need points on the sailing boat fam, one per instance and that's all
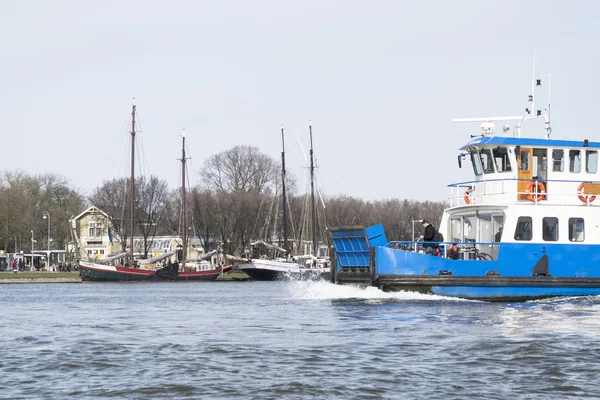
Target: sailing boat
(100, 269)
(209, 267)
(281, 268)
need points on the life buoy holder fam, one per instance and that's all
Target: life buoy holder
(536, 191)
(467, 194)
(584, 198)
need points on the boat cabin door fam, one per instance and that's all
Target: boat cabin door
(525, 171)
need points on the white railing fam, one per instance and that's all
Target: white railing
(483, 189)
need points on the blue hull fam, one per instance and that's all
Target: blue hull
(511, 293)
(519, 271)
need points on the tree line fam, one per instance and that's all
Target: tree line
(238, 201)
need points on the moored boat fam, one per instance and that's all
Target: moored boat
(99, 269)
(523, 228)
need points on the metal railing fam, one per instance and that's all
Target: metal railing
(483, 189)
(468, 250)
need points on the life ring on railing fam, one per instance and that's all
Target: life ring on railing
(467, 194)
(536, 191)
(585, 198)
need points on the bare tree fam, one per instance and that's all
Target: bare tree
(151, 198)
(242, 168)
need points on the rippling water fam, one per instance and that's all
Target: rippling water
(293, 340)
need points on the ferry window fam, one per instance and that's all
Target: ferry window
(501, 158)
(470, 229)
(574, 161)
(498, 225)
(550, 229)
(456, 231)
(558, 162)
(524, 161)
(476, 161)
(576, 229)
(487, 161)
(523, 230)
(486, 234)
(591, 161)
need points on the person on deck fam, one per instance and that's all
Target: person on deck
(428, 236)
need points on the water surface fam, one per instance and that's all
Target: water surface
(293, 340)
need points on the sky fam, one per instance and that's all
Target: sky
(380, 82)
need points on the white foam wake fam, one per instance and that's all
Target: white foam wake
(322, 290)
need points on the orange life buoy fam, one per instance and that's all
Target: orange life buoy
(537, 194)
(467, 194)
(586, 199)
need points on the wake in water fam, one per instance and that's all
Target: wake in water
(322, 290)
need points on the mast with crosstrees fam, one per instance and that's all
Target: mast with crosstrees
(312, 195)
(285, 233)
(132, 184)
(183, 214)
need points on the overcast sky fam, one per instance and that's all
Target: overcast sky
(380, 80)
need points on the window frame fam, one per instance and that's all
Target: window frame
(587, 161)
(500, 154)
(573, 153)
(546, 229)
(488, 165)
(572, 223)
(525, 219)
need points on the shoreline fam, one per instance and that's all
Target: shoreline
(73, 277)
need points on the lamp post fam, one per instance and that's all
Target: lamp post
(31, 258)
(47, 216)
(413, 232)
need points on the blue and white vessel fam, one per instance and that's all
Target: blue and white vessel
(526, 226)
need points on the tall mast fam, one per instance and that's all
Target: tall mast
(285, 233)
(312, 195)
(132, 184)
(183, 216)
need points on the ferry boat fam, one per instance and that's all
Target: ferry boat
(526, 225)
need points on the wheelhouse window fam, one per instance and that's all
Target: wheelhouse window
(476, 161)
(576, 230)
(487, 162)
(550, 229)
(575, 161)
(501, 159)
(523, 230)
(558, 161)
(591, 161)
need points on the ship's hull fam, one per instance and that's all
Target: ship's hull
(271, 270)
(108, 273)
(208, 275)
(520, 271)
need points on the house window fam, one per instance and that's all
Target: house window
(576, 230)
(501, 158)
(94, 229)
(591, 161)
(558, 161)
(487, 161)
(550, 229)
(575, 161)
(524, 229)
